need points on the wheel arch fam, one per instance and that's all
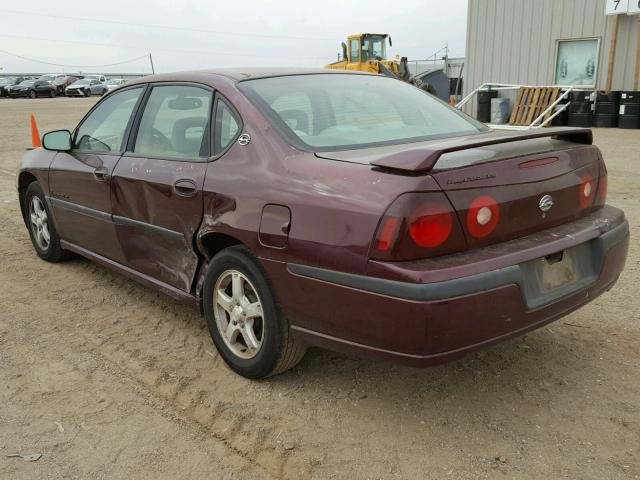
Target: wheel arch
(210, 243)
(24, 180)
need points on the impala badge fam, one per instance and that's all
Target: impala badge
(545, 203)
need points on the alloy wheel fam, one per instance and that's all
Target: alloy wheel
(39, 223)
(238, 314)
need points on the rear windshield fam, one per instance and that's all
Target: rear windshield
(341, 111)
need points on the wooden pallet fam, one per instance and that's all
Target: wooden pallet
(531, 102)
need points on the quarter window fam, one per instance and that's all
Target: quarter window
(104, 129)
(175, 122)
(227, 127)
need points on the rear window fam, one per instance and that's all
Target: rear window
(340, 111)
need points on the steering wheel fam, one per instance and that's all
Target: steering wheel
(159, 141)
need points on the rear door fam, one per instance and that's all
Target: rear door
(157, 185)
(80, 180)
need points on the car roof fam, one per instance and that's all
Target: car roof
(240, 74)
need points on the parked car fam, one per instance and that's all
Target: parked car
(100, 78)
(85, 87)
(6, 82)
(114, 83)
(32, 89)
(50, 77)
(61, 83)
(337, 209)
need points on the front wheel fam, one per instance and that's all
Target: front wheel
(32, 94)
(244, 320)
(87, 93)
(41, 228)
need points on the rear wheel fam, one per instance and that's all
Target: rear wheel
(32, 94)
(41, 228)
(244, 320)
(87, 93)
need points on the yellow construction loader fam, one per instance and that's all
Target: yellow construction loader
(367, 52)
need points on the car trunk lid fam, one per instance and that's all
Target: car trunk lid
(531, 192)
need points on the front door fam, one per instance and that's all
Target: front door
(157, 185)
(80, 180)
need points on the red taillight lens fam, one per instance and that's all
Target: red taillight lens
(483, 216)
(431, 225)
(418, 225)
(587, 190)
(387, 234)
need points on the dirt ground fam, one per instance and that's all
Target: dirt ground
(108, 379)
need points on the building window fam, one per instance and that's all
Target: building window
(577, 62)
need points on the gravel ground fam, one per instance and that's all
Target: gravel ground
(108, 379)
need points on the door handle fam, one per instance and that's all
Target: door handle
(101, 174)
(185, 187)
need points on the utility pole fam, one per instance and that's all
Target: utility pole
(153, 71)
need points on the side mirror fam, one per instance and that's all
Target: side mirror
(344, 51)
(58, 141)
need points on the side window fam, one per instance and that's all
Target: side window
(175, 122)
(103, 130)
(354, 55)
(227, 127)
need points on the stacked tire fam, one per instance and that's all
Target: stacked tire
(484, 105)
(580, 109)
(562, 119)
(606, 110)
(629, 110)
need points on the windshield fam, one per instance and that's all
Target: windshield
(114, 82)
(27, 83)
(374, 48)
(47, 78)
(337, 111)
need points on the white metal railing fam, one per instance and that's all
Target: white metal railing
(536, 122)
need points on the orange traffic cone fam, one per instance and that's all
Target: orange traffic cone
(35, 134)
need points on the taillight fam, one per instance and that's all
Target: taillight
(418, 225)
(587, 190)
(602, 189)
(482, 216)
(601, 196)
(431, 225)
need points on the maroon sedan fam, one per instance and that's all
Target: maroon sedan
(337, 209)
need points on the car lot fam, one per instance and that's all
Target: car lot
(108, 379)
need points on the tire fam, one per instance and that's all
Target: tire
(87, 93)
(580, 120)
(50, 251)
(52, 94)
(605, 121)
(580, 107)
(32, 94)
(278, 350)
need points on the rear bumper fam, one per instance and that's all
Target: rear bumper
(423, 324)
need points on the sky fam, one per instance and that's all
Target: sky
(200, 34)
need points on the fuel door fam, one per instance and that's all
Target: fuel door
(274, 226)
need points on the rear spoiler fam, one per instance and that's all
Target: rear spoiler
(425, 158)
